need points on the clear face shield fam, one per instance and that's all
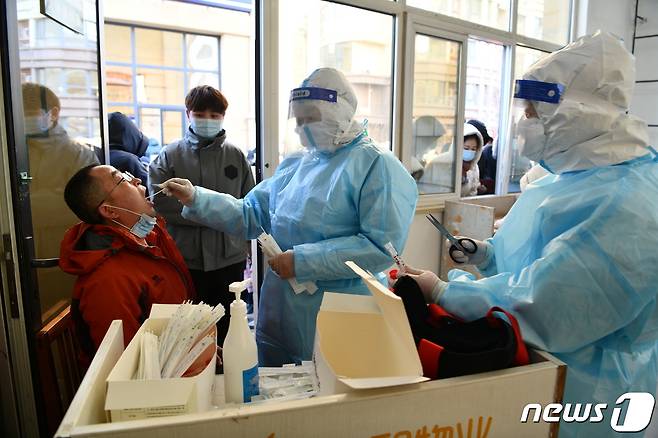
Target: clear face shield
(309, 118)
(532, 98)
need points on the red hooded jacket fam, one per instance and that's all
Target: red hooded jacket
(120, 279)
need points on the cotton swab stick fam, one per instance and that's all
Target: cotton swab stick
(159, 191)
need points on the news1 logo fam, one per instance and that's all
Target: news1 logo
(638, 412)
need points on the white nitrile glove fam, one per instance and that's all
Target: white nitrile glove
(430, 284)
(478, 251)
(180, 188)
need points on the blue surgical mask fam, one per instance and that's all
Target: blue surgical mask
(37, 125)
(142, 227)
(206, 128)
(468, 155)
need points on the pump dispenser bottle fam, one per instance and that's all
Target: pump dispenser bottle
(240, 353)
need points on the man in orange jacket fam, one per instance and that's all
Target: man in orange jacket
(123, 256)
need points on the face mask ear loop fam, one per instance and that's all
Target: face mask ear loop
(121, 225)
(129, 211)
(124, 209)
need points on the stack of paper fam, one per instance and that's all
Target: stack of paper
(289, 382)
(149, 364)
(189, 334)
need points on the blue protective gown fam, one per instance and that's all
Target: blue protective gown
(576, 262)
(328, 208)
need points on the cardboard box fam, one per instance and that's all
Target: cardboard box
(364, 342)
(486, 405)
(489, 405)
(129, 399)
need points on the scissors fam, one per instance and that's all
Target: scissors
(456, 243)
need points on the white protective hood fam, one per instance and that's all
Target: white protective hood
(589, 128)
(472, 130)
(337, 117)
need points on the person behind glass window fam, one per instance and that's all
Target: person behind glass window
(127, 146)
(473, 143)
(488, 161)
(205, 156)
(53, 159)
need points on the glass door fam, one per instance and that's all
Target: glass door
(57, 81)
(55, 127)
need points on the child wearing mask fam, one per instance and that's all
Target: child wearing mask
(471, 155)
(203, 156)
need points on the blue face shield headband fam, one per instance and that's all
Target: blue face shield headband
(316, 93)
(312, 133)
(539, 91)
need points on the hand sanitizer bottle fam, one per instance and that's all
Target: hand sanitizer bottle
(240, 354)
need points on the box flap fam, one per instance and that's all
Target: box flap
(394, 314)
(366, 341)
(381, 382)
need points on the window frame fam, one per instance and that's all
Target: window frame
(405, 19)
(418, 25)
(134, 66)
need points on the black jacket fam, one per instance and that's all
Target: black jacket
(127, 145)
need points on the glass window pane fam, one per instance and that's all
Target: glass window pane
(67, 82)
(117, 43)
(238, 85)
(128, 111)
(93, 83)
(202, 78)
(119, 82)
(519, 165)
(49, 33)
(494, 13)
(202, 52)
(172, 125)
(484, 77)
(157, 47)
(436, 71)
(149, 123)
(159, 86)
(51, 78)
(76, 82)
(358, 42)
(76, 124)
(545, 20)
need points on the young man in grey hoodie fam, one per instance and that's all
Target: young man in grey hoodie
(203, 156)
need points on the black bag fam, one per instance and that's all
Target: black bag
(449, 346)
